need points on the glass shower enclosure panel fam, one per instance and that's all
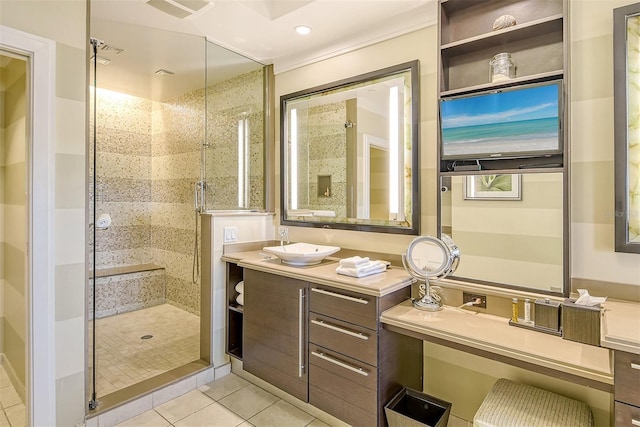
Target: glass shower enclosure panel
(147, 127)
(234, 154)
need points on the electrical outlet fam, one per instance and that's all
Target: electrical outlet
(230, 234)
(468, 297)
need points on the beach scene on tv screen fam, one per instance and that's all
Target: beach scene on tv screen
(506, 123)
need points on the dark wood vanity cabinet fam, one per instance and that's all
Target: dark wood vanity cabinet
(626, 388)
(326, 346)
(275, 331)
(356, 366)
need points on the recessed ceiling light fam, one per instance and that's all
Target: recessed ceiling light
(303, 29)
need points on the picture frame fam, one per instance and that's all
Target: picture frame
(493, 187)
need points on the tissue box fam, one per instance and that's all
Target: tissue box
(580, 323)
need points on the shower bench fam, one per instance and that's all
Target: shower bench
(128, 288)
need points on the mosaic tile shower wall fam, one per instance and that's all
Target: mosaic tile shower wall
(322, 153)
(148, 161)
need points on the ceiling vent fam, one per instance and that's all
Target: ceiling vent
(163, 72)
(180, 8)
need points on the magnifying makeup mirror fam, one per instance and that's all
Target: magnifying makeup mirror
(430, 258)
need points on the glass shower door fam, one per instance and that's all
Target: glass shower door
(147, 128)
(234, 154)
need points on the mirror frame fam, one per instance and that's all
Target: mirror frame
(621, 147)
(414, 228)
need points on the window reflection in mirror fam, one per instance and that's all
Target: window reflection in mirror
(349, 153)
(509, 229)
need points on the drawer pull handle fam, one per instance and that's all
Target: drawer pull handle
(339, 329)
(635, 366)
(635, 422)
(334, 294)
(300, 330)
(339, 363)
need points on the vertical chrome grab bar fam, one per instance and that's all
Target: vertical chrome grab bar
(300, 326)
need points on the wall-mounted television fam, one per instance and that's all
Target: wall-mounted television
(514, 122)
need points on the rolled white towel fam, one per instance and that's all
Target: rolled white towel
(354, 262)
(240, 287)
(240, 299)
(371, 268)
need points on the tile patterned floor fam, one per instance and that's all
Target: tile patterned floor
(123, 358)
(12, 412)
(228, 402)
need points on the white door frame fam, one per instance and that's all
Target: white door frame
(40, 292)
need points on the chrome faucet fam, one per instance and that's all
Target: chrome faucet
(284, 234)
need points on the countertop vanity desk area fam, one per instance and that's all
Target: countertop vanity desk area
(368, 325)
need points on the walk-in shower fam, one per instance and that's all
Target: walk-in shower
(176, 124)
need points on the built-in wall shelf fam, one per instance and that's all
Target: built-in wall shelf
(536, 43)
(236, 307)
(551, 75)
(504, 36)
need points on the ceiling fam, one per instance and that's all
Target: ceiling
(261, 30)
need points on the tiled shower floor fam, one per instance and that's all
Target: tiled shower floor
(124, 358)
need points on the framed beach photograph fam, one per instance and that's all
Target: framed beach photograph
(493, 187)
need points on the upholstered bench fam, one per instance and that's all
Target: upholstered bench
(511, 404)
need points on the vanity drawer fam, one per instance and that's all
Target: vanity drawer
(343, 387)
(346, 338)
(349, 306)
(627, 377)
(627, 415)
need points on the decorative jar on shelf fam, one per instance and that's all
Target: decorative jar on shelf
(501, 67)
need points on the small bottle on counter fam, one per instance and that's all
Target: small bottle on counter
(527, 310)
(514, 310)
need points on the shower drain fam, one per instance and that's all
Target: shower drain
(146, 337)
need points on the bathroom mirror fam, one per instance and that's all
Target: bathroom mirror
(626, 38)
(349, 153)
(511, 229)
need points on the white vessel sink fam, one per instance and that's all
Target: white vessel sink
(301, 253)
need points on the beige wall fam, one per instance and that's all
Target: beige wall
(14, 235)
(65, 23)
(592, 196)
(450, 374)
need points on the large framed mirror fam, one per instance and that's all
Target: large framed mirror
(626, 39)
(510, 229)
(349, 153)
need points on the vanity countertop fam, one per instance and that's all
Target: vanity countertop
(492, 334)
(377, 285)
(620, 328)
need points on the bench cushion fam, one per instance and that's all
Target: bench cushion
(511, 404)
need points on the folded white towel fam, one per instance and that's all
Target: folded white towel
(371, 268)
(323, 213)
(354, 262)
(240, 287)
(240, 299)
